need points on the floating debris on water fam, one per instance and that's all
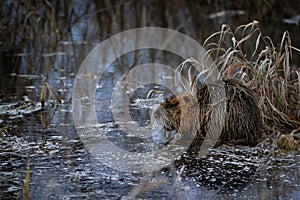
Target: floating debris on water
(18, 109)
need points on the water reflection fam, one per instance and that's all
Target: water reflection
(48, 40)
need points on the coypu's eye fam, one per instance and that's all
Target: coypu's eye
(186, 99)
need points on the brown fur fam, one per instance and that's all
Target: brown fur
(241, 122)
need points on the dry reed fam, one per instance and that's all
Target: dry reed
(268, 70)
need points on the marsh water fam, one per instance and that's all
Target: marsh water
(47, 41)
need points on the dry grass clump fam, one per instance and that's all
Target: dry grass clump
(272, 72)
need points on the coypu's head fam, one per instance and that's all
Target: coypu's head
(169, 113)
(177, 112)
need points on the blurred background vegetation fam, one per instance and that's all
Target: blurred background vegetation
(38, 36)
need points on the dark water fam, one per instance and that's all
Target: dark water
(47, 41)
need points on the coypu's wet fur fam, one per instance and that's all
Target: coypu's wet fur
(242, 119)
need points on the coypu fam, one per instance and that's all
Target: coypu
(241, 120)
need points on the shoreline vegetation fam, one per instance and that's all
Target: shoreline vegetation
(269, 71)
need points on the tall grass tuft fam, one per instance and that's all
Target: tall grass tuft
(272, 72)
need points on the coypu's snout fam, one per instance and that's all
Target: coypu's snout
(160, 135)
